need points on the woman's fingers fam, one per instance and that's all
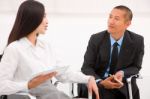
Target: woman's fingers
(40, 79)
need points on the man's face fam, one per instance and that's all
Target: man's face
(117, 22)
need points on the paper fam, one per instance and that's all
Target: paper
(118, 80)
(59, 69)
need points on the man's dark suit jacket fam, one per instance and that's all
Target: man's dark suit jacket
(97, 56)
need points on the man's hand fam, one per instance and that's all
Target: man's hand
(40, 79)
(93, 87)
(109, 83)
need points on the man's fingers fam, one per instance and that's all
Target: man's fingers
(110, 78)
(116, 85)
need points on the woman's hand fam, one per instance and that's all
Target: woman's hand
(40, 79)
(92, 86)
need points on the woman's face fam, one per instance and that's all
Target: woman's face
(43, 26)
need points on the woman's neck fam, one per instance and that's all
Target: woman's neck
(32, 38)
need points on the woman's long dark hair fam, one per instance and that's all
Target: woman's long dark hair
(30, 15)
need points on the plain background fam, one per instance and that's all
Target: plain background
(72, 22)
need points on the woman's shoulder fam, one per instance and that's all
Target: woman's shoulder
(13, 45)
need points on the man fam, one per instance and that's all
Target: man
(116, 51)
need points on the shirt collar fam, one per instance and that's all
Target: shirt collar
(119, 41)
(27, 43)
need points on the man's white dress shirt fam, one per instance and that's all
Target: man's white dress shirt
(21, 60)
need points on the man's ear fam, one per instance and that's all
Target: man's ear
(128, 23)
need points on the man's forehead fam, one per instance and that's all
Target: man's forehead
(117, 13)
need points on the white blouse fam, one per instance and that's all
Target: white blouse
(21, 60)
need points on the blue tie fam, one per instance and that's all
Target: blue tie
(114, 58)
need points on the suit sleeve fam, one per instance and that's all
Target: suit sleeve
(137, 62)
(90, 58)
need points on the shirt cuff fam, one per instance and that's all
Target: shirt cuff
(98, 80)
(25, 86)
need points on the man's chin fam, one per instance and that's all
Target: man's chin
(109, 31)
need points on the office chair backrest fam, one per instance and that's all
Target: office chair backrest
(1, 57)
(3, 96)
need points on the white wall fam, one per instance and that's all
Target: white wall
(71, 23)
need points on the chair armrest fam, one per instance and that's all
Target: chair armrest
(72, 85)
(130, 85)
(134, 76)
(71, 89)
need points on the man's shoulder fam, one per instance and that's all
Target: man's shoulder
(100, 35)
(134, 36)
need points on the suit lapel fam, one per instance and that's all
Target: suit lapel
(125, 51)
(105, 49)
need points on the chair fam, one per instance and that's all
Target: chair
(72, 91)
(3, 96)
(138, 76)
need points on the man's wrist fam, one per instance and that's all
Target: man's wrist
(98, 81)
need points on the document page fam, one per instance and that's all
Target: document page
(59, 69)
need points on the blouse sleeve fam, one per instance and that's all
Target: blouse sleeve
(69, 75)
(8, 66)
(73, 76)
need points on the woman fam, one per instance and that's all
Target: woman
(26, 55)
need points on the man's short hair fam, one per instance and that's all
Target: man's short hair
(128, 11)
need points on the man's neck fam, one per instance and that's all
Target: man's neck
(117, 36)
